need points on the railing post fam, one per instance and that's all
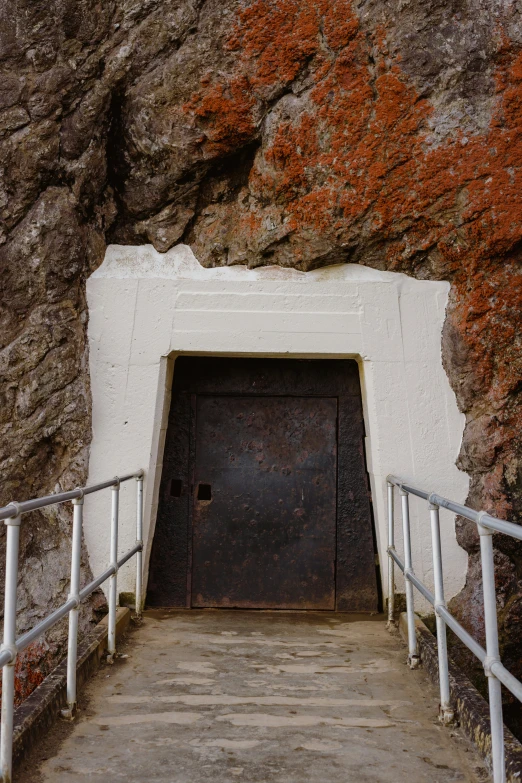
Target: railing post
(8, 672)
(492, 653)
(139, 540)
(413, 655)
(391, 562)
(74, 592)
(447, 715)
(113, 581)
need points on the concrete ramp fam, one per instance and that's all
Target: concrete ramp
(291, 697)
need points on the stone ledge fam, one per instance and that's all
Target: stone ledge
(472, 710)
(40, 710)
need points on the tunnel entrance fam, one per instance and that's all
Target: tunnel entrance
(264, 500)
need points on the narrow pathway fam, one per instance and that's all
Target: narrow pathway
(260, 696)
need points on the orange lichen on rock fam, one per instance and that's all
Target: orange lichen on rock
(276, 38)
(232, 104)
(361, 139)
(32, 666)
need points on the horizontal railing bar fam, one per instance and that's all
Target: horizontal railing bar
(393, 553)
(91, 587)
(421, 588)
(501, 526)
(129, 554)
(421, 493)
(457, 508)
(438, 500)
(61, 497)
(463, 635)
(448, 618)
(507, 679)
(31, 505)
(486, 520)
(112, 482)
(55, 617)
(413, 579)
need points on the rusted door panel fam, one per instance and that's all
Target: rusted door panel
(267, 536)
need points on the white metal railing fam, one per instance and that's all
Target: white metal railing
(12, 514)
(490, 657)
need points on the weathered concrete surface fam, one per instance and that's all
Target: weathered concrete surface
(38, 712)
(257, 697)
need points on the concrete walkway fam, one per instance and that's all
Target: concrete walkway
(260, 696)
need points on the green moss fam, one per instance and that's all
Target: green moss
(128, 599)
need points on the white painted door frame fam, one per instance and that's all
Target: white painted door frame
(146, 308)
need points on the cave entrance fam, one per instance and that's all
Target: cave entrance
(264, 497)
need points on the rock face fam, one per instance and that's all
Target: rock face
(381, 132)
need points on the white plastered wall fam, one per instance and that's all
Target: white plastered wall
(145, 308)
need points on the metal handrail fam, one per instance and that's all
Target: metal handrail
(12, 514)
(489, 657)
(14, 509)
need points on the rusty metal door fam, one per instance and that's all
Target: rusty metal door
(274, 391)
(264, 502)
